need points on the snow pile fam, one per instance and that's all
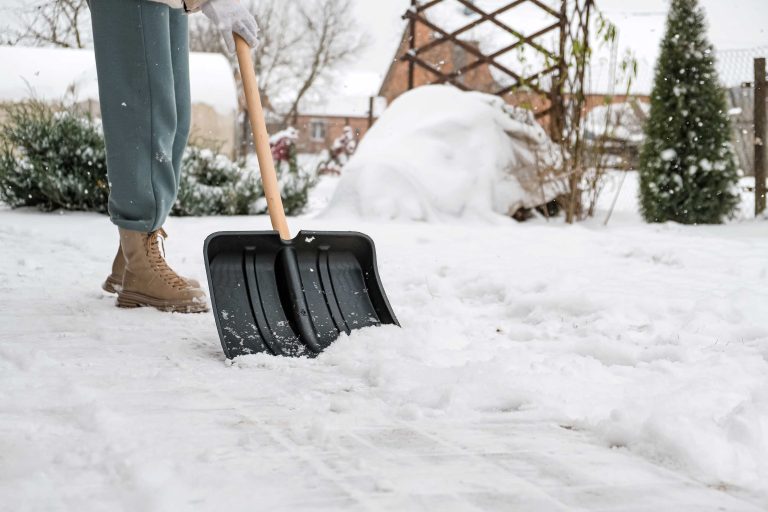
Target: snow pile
(440, 153)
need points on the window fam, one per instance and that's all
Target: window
(317, 130)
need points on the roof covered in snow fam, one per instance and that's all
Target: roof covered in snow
(342, 106)
(52, 74)
(349, 96)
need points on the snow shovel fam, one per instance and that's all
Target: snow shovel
(282, 296)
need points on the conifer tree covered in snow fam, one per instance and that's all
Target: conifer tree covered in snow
(687, 169)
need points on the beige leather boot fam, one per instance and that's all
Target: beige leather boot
(149, 281)
(114, 281)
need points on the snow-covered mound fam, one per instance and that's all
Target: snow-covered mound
(440, 153)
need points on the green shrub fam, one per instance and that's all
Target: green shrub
(212, 184)
(52, 158)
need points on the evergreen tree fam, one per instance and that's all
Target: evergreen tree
(687, 169)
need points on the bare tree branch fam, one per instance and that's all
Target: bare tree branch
(302, 42)
(60, 23)
(330, 42)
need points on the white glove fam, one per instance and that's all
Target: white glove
(230, 16)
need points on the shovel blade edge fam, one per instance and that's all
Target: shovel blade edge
(292, 297)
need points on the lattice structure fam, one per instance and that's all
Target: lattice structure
(557, 77)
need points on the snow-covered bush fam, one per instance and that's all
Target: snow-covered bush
(334, 159)
(211, 184)
(52, 158)
(440, 153)
(295, 182)
(687, 167)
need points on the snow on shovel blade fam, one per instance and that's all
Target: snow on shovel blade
(292, 298)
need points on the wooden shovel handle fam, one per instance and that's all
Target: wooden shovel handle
(261, 139)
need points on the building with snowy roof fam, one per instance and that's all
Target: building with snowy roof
(321, 121)
(53, 74)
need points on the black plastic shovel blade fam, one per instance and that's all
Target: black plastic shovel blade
(292, 298)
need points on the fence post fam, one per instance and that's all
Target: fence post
(411, 48)
(371, 106)
(760, 133)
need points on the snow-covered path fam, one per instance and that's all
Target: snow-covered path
(539, 367)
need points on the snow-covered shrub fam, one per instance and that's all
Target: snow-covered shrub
(51, 158)
(338, 156)
(295, 182)
(687, 167)
(211, 184)
(440, 153)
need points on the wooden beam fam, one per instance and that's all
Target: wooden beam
(557, 91)
(760, 134)
(542, 113)
(546, 8)
(528, 81)
(411, 46)
(371, 106)
(466, 28)
(428, 5)
(442, 77)
(469, 5)
(471, 49)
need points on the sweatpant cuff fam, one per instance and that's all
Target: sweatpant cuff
(135, 225)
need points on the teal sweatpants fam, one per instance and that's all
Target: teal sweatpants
(142, 60)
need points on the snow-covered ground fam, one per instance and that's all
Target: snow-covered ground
(539, 367)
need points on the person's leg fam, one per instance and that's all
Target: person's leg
(135, 54)
(132, 40)
(180, 62)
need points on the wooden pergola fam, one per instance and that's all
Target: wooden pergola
(570, 20)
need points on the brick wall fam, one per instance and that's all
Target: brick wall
(449, 57)
(446, 57)
(317, 133)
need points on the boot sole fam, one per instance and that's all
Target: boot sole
(112, 285)
(130, 300)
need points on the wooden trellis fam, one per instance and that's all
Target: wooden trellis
(571, 22)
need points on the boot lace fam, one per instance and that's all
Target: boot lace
(155, 246)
